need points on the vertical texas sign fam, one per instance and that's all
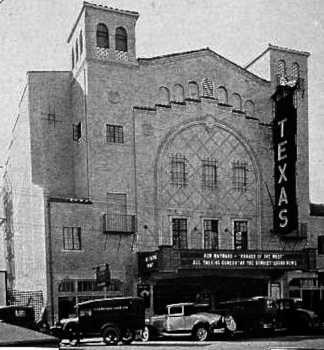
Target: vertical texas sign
(284, 140)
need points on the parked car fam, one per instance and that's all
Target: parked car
(115, 319)
(252, 315)
(187, 319)
(23, 316)
(292, 317)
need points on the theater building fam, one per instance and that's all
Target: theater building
(186, 173)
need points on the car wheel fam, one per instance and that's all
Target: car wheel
(72, 333)
(128, 336)
(230, 325)
(201, 333)
(306, 324)
(110, 336)
(146, 334)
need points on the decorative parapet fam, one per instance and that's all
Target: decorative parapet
(111, 54)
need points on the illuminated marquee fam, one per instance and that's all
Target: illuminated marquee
(236, 260)
(172, 260)
(284, 138)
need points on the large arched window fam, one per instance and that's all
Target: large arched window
(164, 95)
(178, 93)
(222, 95)
(281, 68)
(249, 108)
(102, 36)
(237, 102)
(121, 39)
(193, 90)
(207, 88)
(295, 71)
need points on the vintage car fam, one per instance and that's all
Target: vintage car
(23, 316)
(291, 316)
(115, 319)
(185, 319)
(253, 315)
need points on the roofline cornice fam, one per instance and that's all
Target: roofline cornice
(207, 51)
(100, 7)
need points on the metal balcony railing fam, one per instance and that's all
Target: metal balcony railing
(119, 223)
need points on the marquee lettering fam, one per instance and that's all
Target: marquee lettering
(282, 169)
(283, 197)
(282, 125)
(282, 150)
(284, 131)
(283, 218)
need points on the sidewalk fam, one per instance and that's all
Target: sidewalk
(19, 336)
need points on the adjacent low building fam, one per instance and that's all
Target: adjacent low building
(186, 173)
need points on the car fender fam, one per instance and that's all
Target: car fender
(109, 324)
(309, 313)
(69, 324)
(201, 323)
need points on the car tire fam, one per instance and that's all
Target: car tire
(72, 333)
(146, 334)
(128, 336)
(201, 333)
(306, 324)
(111, 336)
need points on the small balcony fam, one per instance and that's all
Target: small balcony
(119, 223)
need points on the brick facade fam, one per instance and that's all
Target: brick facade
(197, 105)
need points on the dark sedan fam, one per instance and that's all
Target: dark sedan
(292, 317)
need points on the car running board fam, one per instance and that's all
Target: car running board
(184, 334)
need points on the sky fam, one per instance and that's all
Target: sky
(33, 36)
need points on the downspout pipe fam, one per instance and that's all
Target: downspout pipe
(49, 262)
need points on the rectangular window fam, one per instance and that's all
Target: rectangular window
(240, 235)
(77, 131)
(320, 245)
(179, 233)
(209, 174)
(72, 238)
(114, 134)
(178, 170)
(239, 176)
(210, 234)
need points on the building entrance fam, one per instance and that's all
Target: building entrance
(205, 290)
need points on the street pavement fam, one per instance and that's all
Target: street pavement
(274, 343)
(11, 335)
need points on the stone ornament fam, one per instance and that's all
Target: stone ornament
(113, 97)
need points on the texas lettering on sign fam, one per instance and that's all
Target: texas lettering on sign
(284, 134)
